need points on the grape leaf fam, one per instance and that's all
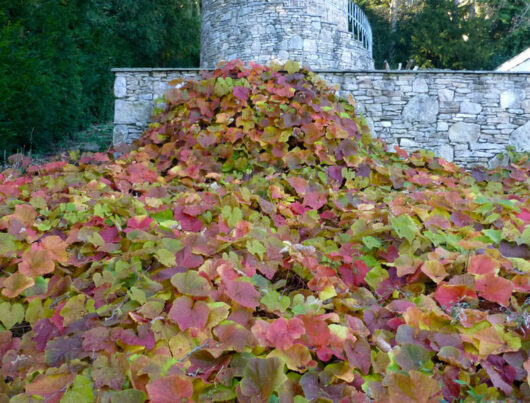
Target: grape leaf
(261, 377)
(405, 227)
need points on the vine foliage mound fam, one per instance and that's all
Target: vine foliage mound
(257, 245)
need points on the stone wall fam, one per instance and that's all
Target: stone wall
(309, 31)
(466, 117)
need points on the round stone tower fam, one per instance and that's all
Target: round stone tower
(324, 34)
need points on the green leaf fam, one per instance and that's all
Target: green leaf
(231, 215)
(494, 235)
(10, 315)
(164, 215)
(371, 243)
(223, 86)
(375, 276)
(274, 301)
(80, 391)
(274, 399)
(7, 244)
(166, 257)
(129, 396)
(256, 248)
(172, 245)
(292, 67)
(191, 283)
(405, 227)
(525, 237)
(138, 295)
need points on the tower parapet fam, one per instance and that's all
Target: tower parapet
(324, 34)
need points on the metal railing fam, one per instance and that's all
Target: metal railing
(359, 26)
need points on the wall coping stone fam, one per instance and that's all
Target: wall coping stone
(328, 71)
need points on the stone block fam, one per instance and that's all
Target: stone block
(512, 98)
(446, 95)
(120, 134)
(131, 112)
(462, 132)
(421, 108)
(120, 87)
(310, 45)
(442, 126)
(526, 106)
(446, 151)
(296, 43)
(520, 138)
(408, 143)
(470, 108)
(420, 85)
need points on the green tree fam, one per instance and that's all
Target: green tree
(510, 27)
(442, 35)
(56, 57)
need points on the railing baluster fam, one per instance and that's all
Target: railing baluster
(359, 26)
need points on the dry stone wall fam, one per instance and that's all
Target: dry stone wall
(466, 117)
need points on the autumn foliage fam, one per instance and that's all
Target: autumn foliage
(257, 245)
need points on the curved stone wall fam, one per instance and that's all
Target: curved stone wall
(313, 32)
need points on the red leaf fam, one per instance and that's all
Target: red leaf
(189, 315)
(497, 378)
(354, 274)
(232, 335)
(448, 295)
(359, 355)
(110, 235)
(187, 222)
(524, 215)
(188, 260)
(299, 184)
(141, 222)
(317, 331)
(495, 289)
(144, 338)
(243, 293)
(97, 339)
(315, 200)
(170, 389)
(482, 264)
(283, 333)
(44, 330)
(241, 93)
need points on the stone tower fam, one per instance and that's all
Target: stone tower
(324, 34)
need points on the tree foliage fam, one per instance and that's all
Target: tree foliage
(257, 245)
(56, 57)
(448, 34)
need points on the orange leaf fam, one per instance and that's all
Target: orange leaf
(434, 270)
(57, 248)
(50, 387)
(26, 214)
(15, 284)
(418, 388)
(36, 262)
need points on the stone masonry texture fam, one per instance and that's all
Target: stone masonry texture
(313, 32)
(465, 117)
